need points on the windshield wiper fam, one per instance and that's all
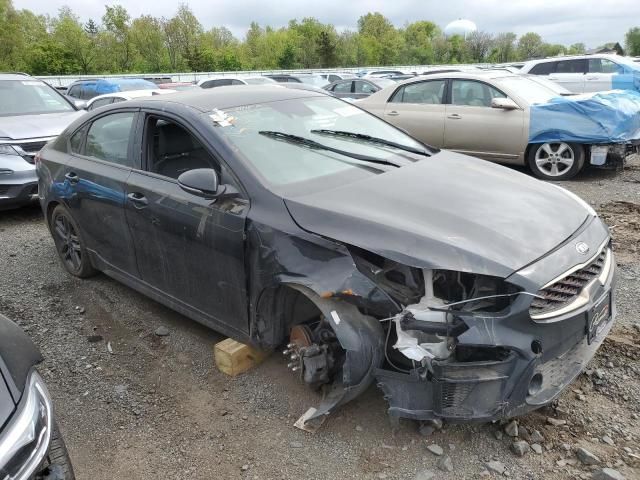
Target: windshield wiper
(312, 144)
(370, 139)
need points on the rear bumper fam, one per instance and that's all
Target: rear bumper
(18, 182)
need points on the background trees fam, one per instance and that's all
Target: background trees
(117, 43)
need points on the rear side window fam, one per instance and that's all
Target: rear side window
(342, 87)
(602, 65)
(571, 66)
(545, 68)
(217, 83)
(101, 103)
(364, 87)
(473, 94)
(430, 93)
(108, 138)
(74, 91)
(75, 142)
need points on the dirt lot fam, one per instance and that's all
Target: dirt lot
(136, 405)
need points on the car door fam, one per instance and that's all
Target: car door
(343, 89)
(188, 248)
(362, 89)
(473, 127)
(418, 108)
(570, 74)
(600, 74)
(95, 179)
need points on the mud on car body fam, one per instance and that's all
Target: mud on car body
(31, 447)
(292, 219)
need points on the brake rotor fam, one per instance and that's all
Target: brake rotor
(300, 336)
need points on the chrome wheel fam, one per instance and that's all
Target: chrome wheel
(555, 159)
(68, 242)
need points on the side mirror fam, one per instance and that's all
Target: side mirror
(202, 182)
(80, 104)
(504, 103)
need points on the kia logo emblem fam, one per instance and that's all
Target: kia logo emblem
(582, 248)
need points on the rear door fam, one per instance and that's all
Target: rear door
(419, 109)
(188, 248)
(362, 89)
(570, 74)
(95, 180)
(600, 74)
(473, 127)
(343, 89)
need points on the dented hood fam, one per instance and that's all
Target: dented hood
(447, 211)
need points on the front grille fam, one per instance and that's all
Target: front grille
(565, 291)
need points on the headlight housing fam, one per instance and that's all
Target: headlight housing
(7, 150)
(25, 440)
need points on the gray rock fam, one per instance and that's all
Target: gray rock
(437, 423)
(607, 474)
(426, 430)
(608, 440)
(424, 475)
(495, 466)
(610, 365)
(600, 374)
(162, 331)
(537, 448)
(435, 449)
(498, 434)
(586, 457)
(556, 422)
(511, 428)
(445, 464)
(536, 437)
(359, 428)
(523, 433)
(520, 448)
(295, 444)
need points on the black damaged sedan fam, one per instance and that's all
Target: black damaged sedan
(31, 447)
(466, 291)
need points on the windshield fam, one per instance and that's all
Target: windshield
(30, 97)
(316, 80)
(529, 90)
(259, 80)
(283, 164)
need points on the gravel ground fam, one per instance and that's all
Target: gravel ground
(132, 404)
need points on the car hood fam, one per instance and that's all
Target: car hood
(448, 211)
(21, 127)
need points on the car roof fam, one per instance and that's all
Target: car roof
(131, 94)
(119, 81)
(207, 100)
(14, 76)
(472, 74)
(573, 57)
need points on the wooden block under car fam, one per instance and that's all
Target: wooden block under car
(234, 358)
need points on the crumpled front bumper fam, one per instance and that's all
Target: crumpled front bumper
(538, 359)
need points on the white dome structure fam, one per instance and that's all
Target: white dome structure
(460, 27)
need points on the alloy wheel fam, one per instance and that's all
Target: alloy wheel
(68, 242)
(554, 159)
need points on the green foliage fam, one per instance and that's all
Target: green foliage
(632, 42)
(61, 45)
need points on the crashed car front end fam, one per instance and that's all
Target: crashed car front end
(511, 346)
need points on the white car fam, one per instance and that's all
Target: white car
(109, 98)
(225, 81)
(588, 73)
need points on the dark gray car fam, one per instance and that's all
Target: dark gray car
(465, 290)
(357, 87)
(31, 447)
(31, 114)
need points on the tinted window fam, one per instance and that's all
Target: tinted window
(431, 93)
(342, 87)
(364, 87)
(108, 138)
(237, 82)
(473, 94)
(172, 150)
(571, 66)
(602, 65)
(28, 97)
(544, 68)
(75, 142)
(216, 83)
(74, 91)
(101, 102)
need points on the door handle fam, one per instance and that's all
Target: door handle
(454, 116)
(139, 200)
(393, 113)
(72, 177)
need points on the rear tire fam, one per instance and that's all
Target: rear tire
(69, 243)
(556, 161)
(57, 465)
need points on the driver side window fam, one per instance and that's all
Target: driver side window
(172, 150)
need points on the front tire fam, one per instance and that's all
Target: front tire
(69, 244)
(556, 160)
(57, 465)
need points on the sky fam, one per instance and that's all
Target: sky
(557, 21)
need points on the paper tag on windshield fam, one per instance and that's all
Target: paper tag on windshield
(347, 111)
(220, 118)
